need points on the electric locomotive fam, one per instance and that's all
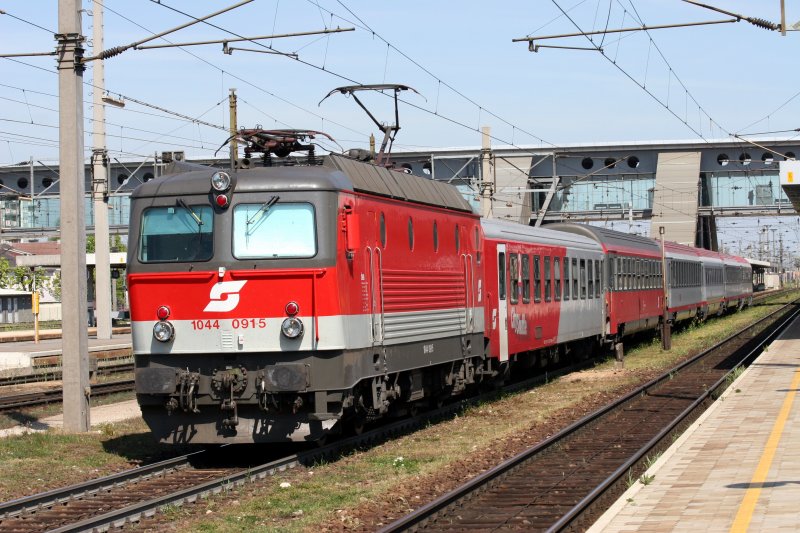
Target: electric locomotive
(282, 303)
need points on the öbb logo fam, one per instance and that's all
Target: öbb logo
(219, 303)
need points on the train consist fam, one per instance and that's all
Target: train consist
(284, 303)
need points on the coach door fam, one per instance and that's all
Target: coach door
(502, 305)
(374, 258)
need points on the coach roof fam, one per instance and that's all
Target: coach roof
(610, 239)
(503, 229)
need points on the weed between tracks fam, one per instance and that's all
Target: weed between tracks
(372, 487)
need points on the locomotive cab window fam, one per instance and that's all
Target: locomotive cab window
(176, 233)
(274, 231)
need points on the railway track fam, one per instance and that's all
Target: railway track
(567, 481)
(55, 375)
(43, 397)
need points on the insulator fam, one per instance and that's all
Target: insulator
(762, 23)
(111, 52)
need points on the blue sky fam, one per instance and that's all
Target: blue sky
(706, 82)
(737, 73)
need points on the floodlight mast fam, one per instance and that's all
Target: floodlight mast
(389, 130)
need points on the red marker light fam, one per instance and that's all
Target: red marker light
(222, 200)
(292, 308)
(163, 312)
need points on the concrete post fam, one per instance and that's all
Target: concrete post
(100, 186)
(73, 222)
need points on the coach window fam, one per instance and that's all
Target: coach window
(590, 273)
(639, 274)
(537, 279)
(526, 278)
(598, 284)
(435, 237)
(501, 270)
(583, 279)
(513, 276)
(575, 277)
(548, 283)
(383, 231)
(566, 278)
(557, 272)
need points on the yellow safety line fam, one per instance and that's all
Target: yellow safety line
(745, 514)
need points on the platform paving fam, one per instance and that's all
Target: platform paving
(737, 468)
(15, 354)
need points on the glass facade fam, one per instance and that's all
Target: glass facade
(604, 193)
(733, 189)
(45, 212)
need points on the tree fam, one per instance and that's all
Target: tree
(21, 278)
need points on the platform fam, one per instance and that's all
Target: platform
(737, 468)
(19, 357)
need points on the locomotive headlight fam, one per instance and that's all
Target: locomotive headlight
(220, 181)
(163, 331)
(292, 327)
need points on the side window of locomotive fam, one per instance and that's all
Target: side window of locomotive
(280, 231)
(501, 270)
(566, 278)
(435, 237)
(458, 241)
(176, 234)
(557, 272)
(548, 289)
(575, 276)
(583, 279)
(537, 279)
(513, 276)
(383, 231)
(590, 274)
(526, 278)
(410, 234)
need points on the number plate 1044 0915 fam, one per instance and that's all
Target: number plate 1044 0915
(236, 323)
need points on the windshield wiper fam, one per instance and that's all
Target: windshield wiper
(264, 208)
(191, 212)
